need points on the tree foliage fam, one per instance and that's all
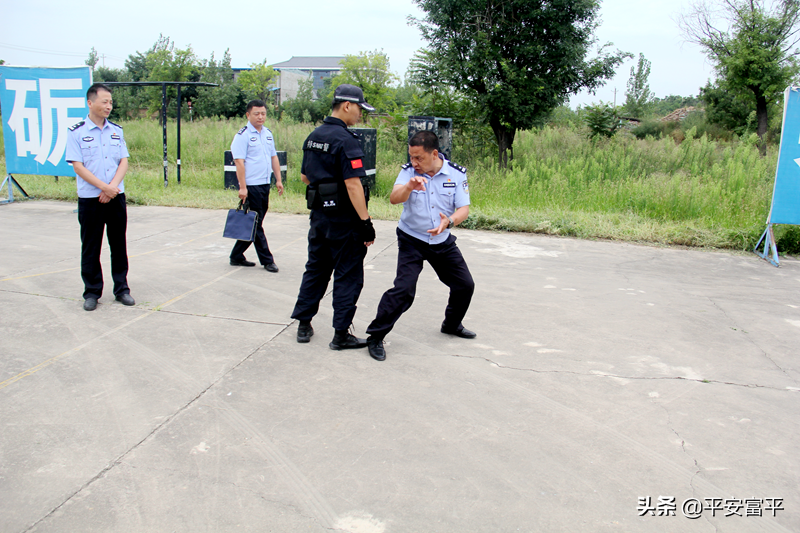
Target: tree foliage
(516, 59)
(638, 95)
(93, 58)
(750, 43)
(164, 62)
(304, 107)
(257, 81)
(732, 110)
(226, 100)
(602, 120)
(370, 71)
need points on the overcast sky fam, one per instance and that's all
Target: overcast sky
(62, 32)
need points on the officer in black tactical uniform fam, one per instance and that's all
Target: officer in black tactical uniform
(340, 226)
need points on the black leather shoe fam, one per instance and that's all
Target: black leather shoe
(242, 263)
(304, 332)
(375, 347)
(461, 331)
(346, 342)
(90, 304)
(272, 267)
(126, 299)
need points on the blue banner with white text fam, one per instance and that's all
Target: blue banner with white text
(39, 104)
(786, 194)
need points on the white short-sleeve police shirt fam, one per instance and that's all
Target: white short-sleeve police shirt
(256, 148)
(100, 150)
(445, 192)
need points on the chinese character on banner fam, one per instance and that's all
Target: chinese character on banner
(38, 105)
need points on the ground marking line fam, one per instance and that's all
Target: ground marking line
(129, 257)
(45, 364)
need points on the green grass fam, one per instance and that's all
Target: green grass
(697, 193)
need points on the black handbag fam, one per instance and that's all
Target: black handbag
(241, 223)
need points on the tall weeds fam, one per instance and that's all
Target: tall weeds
(699, 192)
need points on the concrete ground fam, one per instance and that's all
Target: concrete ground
(603, 375)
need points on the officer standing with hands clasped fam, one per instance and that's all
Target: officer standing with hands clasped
(98, 153)
(435, 197)
(253, 150)
(340, 227)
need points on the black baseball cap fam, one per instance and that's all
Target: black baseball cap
(351, 93)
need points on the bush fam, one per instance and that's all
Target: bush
(655, 129)
(787, 239)
(602, 120)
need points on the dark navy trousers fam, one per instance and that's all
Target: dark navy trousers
(94, 218)
(334, 248)
(258, 198)
(449, 265)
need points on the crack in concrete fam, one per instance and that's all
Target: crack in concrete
(120, 459)
(698, 468)
(750, 339)
(615, 376)
(216, 317)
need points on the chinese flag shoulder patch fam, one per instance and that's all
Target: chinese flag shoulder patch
(357, 163)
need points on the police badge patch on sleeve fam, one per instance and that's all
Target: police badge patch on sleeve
(465, 186)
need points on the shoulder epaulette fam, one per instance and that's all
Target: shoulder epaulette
(76, 126)
(244, 129)
(406, 166)
(114, 123)
(458, 167)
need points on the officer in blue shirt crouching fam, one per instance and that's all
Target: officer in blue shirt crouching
(435, 197)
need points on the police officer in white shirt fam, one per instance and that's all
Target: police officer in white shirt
(254, 154)
(435, 197)
(96, 148)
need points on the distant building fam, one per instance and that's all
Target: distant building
(300, 68)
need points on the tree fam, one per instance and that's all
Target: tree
(369, 71)
(227, 100)
(93, 58)
(303, 108)
(638, 96)
(257, 81)
(166, 63)
(423, 71)
(750, 43)
(602, 120)
(516, 59)
(728, 109)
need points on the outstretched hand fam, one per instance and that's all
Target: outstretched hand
(417, 183)
(443, 223)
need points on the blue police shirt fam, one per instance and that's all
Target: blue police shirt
(100, 150)
(257, 149)
(445, 192)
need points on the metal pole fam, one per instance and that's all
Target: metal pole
(179, 134)
(164, 126)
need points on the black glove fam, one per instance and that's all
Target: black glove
(366, 231)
